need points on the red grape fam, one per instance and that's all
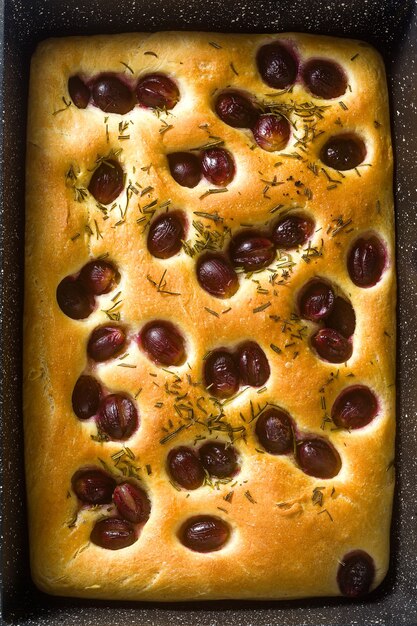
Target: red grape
(204, 533)
(221, 376)
(113, 534)
(254, 368)
(185, 168)
(316, 300)
(236, 110)
(132, 503)
(73, 300)
(157, 91)
(251, 250)
(166, 234)
(112, 95)
(343, 152)
(366, 261)
(274, 431)
(79, 92)
(185, 468)
(93, 486)
(317, 457)
(216, 276)
(277, 65)
(324, 78)
(106, 342)
(354, 407)
(356, 574)
(271, 132)
(292, 231)
(218, 166)
(331, 346)
(342, 317)
(118, 417)
(99, 277)
(86, 397)
(163, 343)
(107, 181)
(219, 459)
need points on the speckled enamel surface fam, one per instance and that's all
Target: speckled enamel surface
(391, 26)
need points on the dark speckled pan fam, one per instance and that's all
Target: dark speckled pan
(390, 25)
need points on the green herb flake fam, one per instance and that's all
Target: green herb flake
(127, 67)
(234, 70)
(326, 511)
(276, 208)
(212, 312)
(67, 105)
(165, 127)
(261, 308)
(161, 285)
(209, 192)
(172, 434)
(214, 142)
(249, 496)
(209, 216)
(318, 497)
(146, 190)
(293, 155)
(113, 312)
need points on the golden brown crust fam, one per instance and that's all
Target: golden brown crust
(287, 551)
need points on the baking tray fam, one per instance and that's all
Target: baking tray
(390, 25)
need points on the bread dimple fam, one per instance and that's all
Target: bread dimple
(285, 541)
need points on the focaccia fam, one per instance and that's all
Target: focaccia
(209, 323)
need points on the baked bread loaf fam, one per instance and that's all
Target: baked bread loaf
(209, 317)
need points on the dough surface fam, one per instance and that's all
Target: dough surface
(286, 541)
